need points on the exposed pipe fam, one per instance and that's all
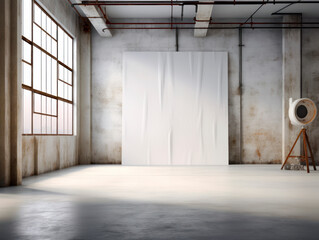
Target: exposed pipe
(107, 21)
(213, 23)
(240, 45)
(278, 12)
(251, 16)
(181, 3)
(172, 15)
(99, 3)
(301, 79)
(229, 28)
(176, 39)
(182, 13)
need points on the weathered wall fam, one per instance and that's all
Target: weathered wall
(47, 153)
(85, 100)
(291, 82)
(262, 76)
(310, 77)
(262, 89)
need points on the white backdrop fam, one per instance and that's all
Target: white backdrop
(175, 108)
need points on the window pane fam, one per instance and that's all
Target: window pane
(36, 34)
(49, 125)
(54, 77)
(66, 75)
(54, 106)
(54, 48)
(54, 30)
(60, 89)
(44, 104)
(65, 90)
(70, 93)
(70, 115)
(43, 40)
(69, 52)
(37, 103)
(49, 106)
(44, 72)
(70, 80)
(44, 21)
(36, 68)
(60, 117)
(49, 75)
(49, 44)
(37, 121)
(54, 122)
(49, 24)
(37, 14)
(61, 72)
(65, 49)
(26, 72)
(60, 44)
(27, 18)
(26, 51)
(65, 117)
(44, 124)
(27, 108)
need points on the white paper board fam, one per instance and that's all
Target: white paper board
(175, 108)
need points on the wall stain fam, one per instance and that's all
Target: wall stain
(258, 153)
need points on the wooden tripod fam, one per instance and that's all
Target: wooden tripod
(304, 157)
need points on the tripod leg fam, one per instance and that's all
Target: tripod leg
(312, 157)
(305, 148)
(293, 146)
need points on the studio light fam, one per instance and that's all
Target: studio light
(301, 113)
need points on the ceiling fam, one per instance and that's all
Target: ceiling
(219, 11)
(308, 10)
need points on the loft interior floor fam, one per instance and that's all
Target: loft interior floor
(118, 202)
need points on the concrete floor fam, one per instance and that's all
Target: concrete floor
(117, 202)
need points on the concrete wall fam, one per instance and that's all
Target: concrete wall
(98, 128)
(10, 93)
(85, 100)
(310, 78)
(291, 84)
(262, 101)
(262, 76)
(47, 153)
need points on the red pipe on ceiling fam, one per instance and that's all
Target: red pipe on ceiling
(212, 28)
(212, 23)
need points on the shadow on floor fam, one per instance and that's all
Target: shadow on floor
(121, 220)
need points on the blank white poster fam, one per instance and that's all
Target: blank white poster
(175, 108)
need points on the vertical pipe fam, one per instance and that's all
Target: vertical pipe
(176, 38)
(301, 80)
(172, 15)
(240, 35)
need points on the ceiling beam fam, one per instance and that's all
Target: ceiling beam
(203, 16)
(99, 20)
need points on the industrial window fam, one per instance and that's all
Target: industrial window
(47, 73)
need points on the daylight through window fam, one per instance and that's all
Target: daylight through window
(47, 73)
